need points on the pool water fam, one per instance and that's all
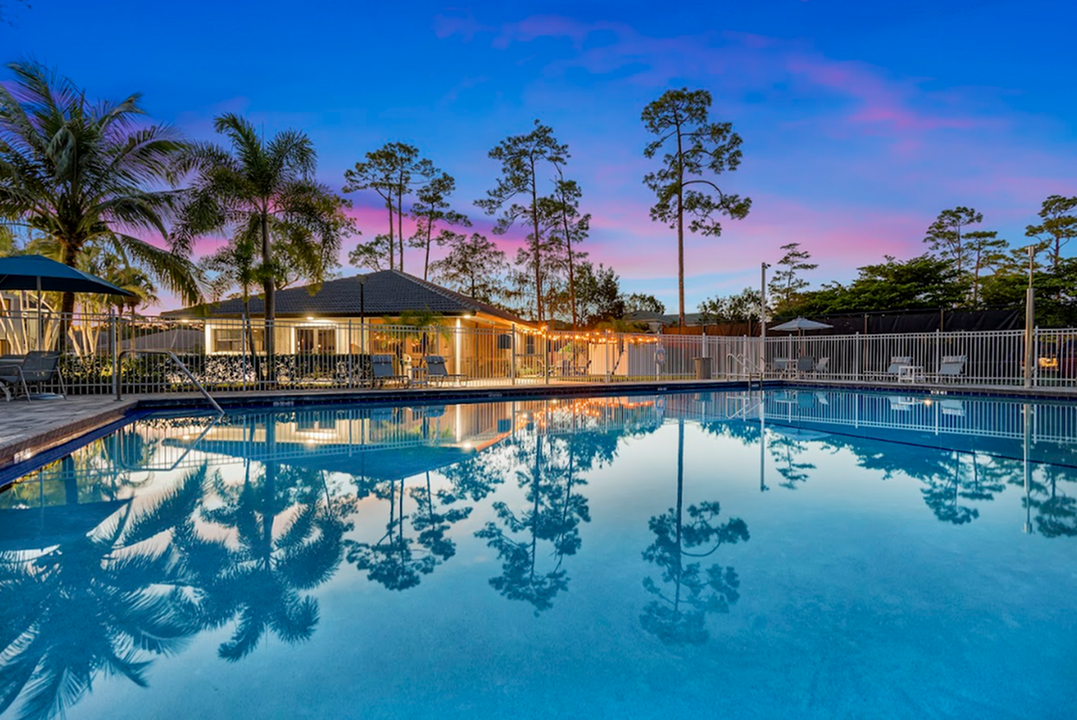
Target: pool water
(797, 553)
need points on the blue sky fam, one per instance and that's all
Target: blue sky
(860, 120)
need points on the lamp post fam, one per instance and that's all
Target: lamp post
(763, 316)
(362, 314)
(1030, 320)
(763, 301)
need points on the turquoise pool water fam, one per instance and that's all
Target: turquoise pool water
(795, 554)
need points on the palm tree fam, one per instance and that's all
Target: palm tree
(85, 174)
(264, 194)
(235, 266)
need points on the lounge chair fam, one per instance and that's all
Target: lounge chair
(954, 408)
(902, 403)
(572, 368)
(952, 366)
(436, 372)
(33, 370)
(897, 362)
(382, 366)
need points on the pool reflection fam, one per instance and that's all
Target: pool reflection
(129, 547)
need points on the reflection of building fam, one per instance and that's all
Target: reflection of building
(419, 438)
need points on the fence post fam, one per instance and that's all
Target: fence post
(1036, 357)
(857, 352)
(115, 357)
(608, 355)
(938, 349)
(546, 354)
(512, 360)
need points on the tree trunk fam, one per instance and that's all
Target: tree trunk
(680, 510)
(537, 258)
(70, 258)
(680, 227)
(392, 247)
(429, 239)
(248, 328)
(269, 286)
(400, 223)
(571, 276)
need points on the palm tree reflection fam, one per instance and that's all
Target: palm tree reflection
(109, 600)
(284, 538)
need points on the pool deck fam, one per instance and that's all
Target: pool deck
(29, 428)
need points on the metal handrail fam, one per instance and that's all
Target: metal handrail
(745, 365)
(178, 362)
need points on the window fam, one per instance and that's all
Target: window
(230, 340)
(321, 341)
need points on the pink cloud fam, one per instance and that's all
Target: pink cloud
(877, 103)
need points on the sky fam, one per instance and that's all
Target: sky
(860, 120)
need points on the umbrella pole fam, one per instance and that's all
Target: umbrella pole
(39, 313)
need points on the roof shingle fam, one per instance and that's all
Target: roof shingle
(387, 293)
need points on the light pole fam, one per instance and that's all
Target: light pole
(362, 314)
(763, 301)
(763, 316)
(1030, 320)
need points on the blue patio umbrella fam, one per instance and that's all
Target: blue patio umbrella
(37, 273)
(34, 272)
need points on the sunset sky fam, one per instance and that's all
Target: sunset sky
(861, 120)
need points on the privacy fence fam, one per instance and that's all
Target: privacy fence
(105, 353)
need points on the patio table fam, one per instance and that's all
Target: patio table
(910, 373)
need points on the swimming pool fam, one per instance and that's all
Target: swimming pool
(799, 553)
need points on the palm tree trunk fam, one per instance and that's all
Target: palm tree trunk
(270, 298)
(67, 301)
(248, 328)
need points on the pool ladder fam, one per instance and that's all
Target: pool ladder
(118, 381)
(751, 371)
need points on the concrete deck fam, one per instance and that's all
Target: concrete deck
(29, 428)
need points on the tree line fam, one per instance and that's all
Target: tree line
(966, 267)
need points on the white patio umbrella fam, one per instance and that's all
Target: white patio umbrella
(799, 325)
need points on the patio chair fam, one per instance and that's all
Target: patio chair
(35, 369)
(901, 403)
(822, 366)
(382, 366)
(897, 362)
(952, 366)
(954, 408)
(436, 372)
(805, 364)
